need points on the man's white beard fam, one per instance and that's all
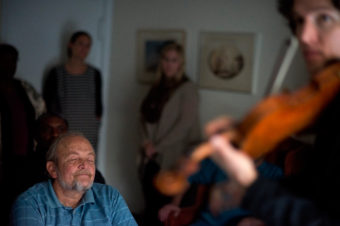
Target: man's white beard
(76, 185)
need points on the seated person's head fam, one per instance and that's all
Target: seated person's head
(8, 61)
(71, 163)
(49, 126)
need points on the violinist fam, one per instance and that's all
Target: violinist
(313, 196)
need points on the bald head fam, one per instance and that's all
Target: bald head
(65, 141)
(71, 162)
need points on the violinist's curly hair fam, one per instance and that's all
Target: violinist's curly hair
(285, 7)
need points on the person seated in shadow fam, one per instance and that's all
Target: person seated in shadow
(49, 127)
(221, 207)
(20, 105)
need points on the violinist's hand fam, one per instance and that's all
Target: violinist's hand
(165, 211)
(235, 163)
(220, 124)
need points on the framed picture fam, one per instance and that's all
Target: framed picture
(149, 43)
(226, 61)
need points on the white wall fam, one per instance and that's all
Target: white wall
(38, 28)
(193, 16)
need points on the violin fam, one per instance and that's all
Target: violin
(266, 125)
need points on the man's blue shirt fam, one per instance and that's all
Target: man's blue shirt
(100, 205)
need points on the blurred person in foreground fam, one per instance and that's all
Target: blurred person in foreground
(311, 197)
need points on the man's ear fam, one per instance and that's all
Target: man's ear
(51, 169)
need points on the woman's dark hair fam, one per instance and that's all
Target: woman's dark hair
(285, 7)
(74, 38)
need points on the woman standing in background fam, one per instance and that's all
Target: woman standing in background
(170, 123)
(73, 90)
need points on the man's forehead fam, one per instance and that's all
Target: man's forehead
(74, 144)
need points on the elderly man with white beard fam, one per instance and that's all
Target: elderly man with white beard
(70, 197)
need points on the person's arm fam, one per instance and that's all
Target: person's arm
(146, 146)
(35, 98)
(238, 165)
(266, 199)
(279, 207)
(188, 115)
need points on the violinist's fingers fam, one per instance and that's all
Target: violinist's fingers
(235, 163)
(206, 149)
(218, 125)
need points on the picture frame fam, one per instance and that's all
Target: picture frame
(226, 61)
(149, 42)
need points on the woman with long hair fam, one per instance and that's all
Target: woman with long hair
(169, 122)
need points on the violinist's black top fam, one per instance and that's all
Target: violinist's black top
(313, 196)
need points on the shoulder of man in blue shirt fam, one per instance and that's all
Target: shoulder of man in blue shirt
(39, 204)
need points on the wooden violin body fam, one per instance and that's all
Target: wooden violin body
(280, 116)
(268, 123)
